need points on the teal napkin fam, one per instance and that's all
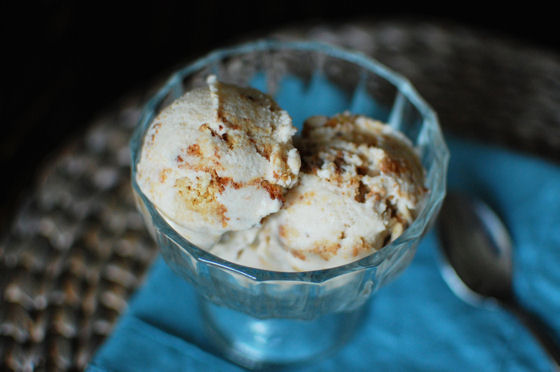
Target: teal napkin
(414, 323)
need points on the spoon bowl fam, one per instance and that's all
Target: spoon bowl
(478, 267)
(477, 250)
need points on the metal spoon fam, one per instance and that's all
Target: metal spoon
(478, 268)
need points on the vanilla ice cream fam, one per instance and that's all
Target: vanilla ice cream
(360, 186)
(218, 159)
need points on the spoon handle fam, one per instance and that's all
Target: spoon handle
(538, 328)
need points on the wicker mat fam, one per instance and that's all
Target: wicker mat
(78, 248)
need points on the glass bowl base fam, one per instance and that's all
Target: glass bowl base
(262, 343)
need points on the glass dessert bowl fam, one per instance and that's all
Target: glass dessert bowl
(258, 317)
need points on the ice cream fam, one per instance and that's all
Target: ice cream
(218, 159)
(360, 186)
(220, 166)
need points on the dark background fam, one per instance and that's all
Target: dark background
(66, 61)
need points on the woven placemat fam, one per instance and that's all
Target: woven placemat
(78, 248)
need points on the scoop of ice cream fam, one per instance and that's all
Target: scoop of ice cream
(218, 159)
(360, 186)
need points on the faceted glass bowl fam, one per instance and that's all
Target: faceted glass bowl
(306, 79)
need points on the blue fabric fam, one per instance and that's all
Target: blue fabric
(416, 322)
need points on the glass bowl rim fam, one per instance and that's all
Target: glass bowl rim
(403, 86)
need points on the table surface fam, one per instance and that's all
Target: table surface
(77, 248)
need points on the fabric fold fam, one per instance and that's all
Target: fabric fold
(414, 323)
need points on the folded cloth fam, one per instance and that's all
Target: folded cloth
(415, 322)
